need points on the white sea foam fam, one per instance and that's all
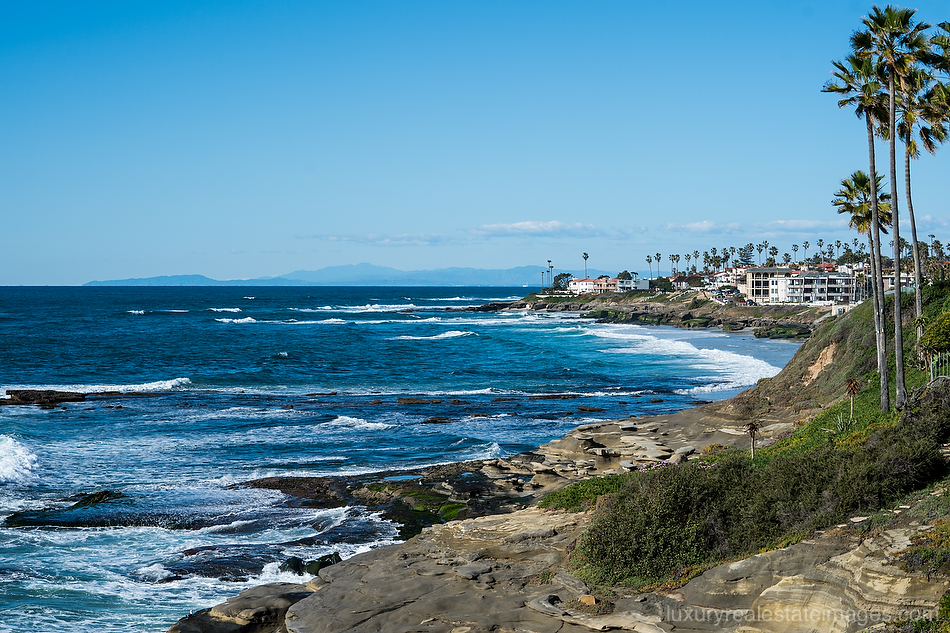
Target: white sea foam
(443, 335)
(158, 385)
(16, 461)
(244, 320)
(250, 298)
(732, 371)
(225, 309)
(359, 424)
(728, 370)
(136, 311)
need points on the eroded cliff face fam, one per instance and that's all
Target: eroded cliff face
(853, 591)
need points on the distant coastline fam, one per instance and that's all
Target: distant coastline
(363, 275)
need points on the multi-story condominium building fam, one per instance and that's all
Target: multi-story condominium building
(784, 285)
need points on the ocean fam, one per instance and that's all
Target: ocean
(217, 386)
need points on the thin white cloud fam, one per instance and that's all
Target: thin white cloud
(553, 228)
(706, 226)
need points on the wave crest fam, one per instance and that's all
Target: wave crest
(16, 461)
(443, 335)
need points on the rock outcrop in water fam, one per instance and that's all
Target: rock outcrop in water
(45, 398)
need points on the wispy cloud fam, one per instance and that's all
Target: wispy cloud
(553, 228)
(706, 226)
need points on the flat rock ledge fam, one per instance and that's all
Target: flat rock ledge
(507, 574)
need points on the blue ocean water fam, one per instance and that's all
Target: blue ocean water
(224, 385)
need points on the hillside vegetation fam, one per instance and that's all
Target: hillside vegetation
(663, 525)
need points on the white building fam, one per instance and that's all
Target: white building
(599, 286)
(784, 285)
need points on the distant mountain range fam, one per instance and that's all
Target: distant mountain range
(367, 275)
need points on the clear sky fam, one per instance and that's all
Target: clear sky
(246, 139)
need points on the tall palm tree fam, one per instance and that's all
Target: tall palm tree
(854, 198)
(659, 258)
(795, 250)
(650, 264)
(585, 256)
(894, 36)
(688, 256)
(921, 117)
(856, 82)
(820, 244)
(695, 257)
(805, 246)
(760, 248)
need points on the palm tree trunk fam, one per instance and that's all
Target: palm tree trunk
(918, 291)
(901, 392)
(877, 286)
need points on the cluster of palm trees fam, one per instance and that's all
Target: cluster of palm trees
(714, 259)
(897, 80)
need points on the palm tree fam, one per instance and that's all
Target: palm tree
(894, 37)
(805, 246)
(650, 264)
(787, 259)
(856, 82)
(760, 248)
(795, 250)
(921, 113)
(837, 250)
(659, 258)
(752, 428)
(585, 256)
(687, 256)
(821, 244)
(854, 198)
(695, 257)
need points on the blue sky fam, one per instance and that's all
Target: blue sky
(248, 139)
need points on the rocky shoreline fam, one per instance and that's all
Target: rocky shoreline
(505, 568)
(690, 309)
(502, 549)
